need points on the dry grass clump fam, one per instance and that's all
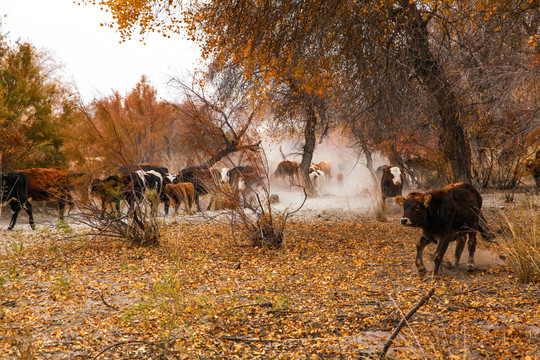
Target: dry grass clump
(521, 241)
(267, 231)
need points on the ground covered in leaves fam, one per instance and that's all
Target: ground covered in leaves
(336, 290)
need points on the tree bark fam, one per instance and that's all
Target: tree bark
(455, 146)
(309, 148)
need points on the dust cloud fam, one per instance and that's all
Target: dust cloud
(357, 192)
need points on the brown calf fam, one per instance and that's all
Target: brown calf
(181, 193)
(444, 215)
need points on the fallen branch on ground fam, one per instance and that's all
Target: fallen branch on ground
(403, 321)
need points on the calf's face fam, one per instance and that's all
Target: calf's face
(396, 175)
(414, 209)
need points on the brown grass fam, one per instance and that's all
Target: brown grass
(521, 241)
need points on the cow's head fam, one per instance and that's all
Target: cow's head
(395, 172)
(414, 209)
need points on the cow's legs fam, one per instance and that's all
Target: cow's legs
(103, 204)
(15, 210)
(420, 245)
(28, 208)
(189, 201)
(472, 249)
(212, 202)
(166, 202)
(174, 203)
(61, 209)
(439, 253)
(460, 244)
(198, 203)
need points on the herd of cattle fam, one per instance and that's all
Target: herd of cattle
(132, 184)
(452, 213)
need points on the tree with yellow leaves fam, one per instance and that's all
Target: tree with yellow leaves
(326, 44)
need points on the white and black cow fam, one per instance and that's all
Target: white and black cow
(142, 181)
(391, 182)
(14, 189)
(316, 176)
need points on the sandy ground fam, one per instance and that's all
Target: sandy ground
(334, 204)
(345, 201)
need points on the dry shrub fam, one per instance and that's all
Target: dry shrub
(268, 230)
(521, 241)
(140, 232)
(138, 226)
(226, 199)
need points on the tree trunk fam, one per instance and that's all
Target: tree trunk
(309, 148)
(455, 147)
(369, 165)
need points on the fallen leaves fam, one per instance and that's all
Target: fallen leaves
(337, 288)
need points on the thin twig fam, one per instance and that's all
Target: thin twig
(236, 338)
(236, 307)
(403, 321)
(107, 304)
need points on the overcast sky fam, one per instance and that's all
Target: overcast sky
(92, 56)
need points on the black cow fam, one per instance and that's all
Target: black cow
(14, 189)
(391, 182)
(204, 180)
(444, 215)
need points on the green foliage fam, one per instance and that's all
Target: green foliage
(64, 227)
(35, 107)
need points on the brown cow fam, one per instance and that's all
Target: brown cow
(444, 215)
(49, 185)
(533, 166)
(288, 169)
(112, 190)
(340, 179)
(326, 167)
(204, 180)
(181, 193)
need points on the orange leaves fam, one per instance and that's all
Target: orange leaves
(337, 288)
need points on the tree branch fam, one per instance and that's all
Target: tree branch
(403, 321)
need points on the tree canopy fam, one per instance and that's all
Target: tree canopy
(446, 66)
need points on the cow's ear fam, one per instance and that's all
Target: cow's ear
(386, 169)
(427, 199)
(400, 200)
